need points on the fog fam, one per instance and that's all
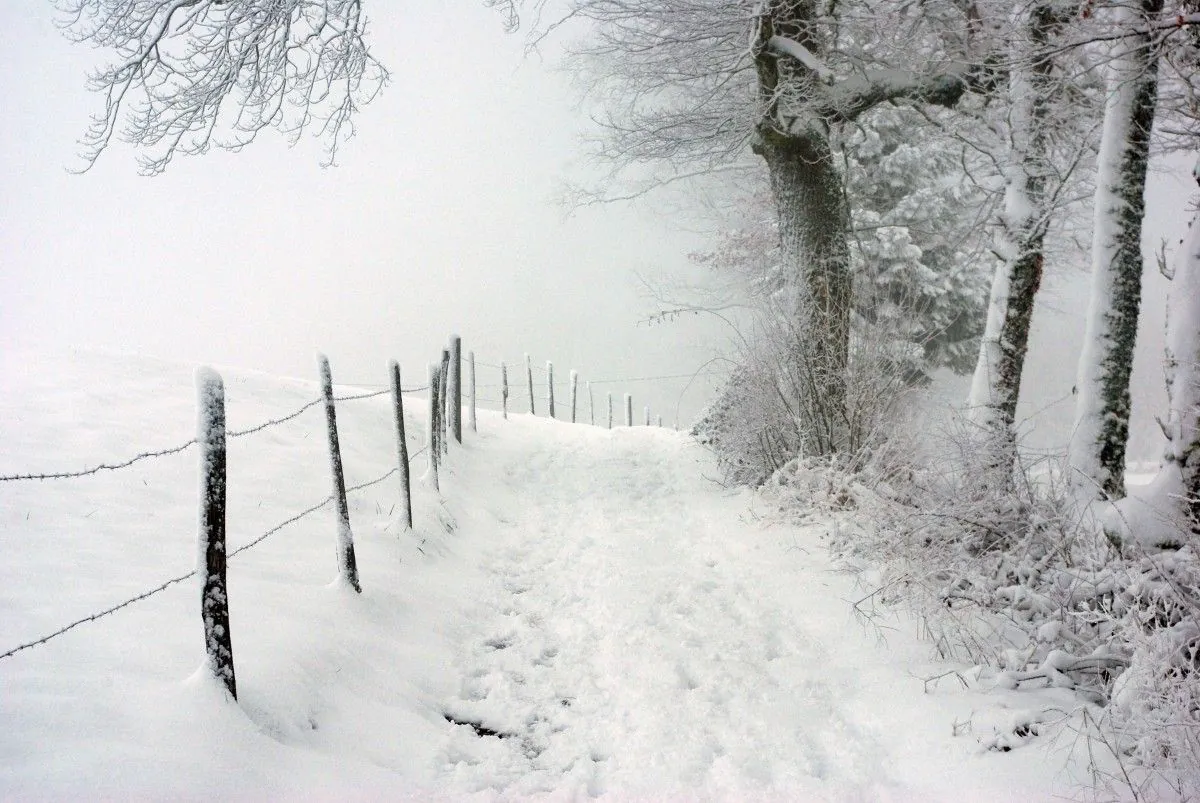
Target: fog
(440, 217)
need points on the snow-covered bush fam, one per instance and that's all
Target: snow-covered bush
(772, 410)
(1025, 584)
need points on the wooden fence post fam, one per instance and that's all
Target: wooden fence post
(610, 417)
(504, 389)
(550, 386)
(432, 446)
(628, 410)
(591, 402)
(471, 389)
(529, 373)
(660, 422)
(444, 407)
(647, 415)
(347, 565)
(401, 442)
(574, 393)
(455, 397)
(214, 596)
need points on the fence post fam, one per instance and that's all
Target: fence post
(610, 409)
(591, 402)
(444, 398)
(647, 415)
(550, 386)
(455, 397)
(529, 372)
(214, 597)
(432, 446)
(347, 566)
(574, 393)
(504, 389)
(660, 422)
(401, 442)
(471, 389)
(628, 410)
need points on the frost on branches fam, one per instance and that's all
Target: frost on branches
(187, 75)
(920, 267)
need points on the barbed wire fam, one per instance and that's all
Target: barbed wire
(176, 580)
(274, 421)
(98, 615)
(61, 475)
(238, 433)
(418, 389)
(363, 395)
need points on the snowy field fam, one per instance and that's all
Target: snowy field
(612, 622)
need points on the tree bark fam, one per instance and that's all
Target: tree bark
(813, 228)
(1102, 410)
(1165, 515)
(996, 386)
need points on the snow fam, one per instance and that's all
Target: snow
(1156, 514)
(790, 47)
(613, 622)
(1125, 66)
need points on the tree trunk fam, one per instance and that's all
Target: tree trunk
(1166, 513)
(1102, 410)
(996, 386)
(813, 229)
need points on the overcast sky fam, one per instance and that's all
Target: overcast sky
(439, 218)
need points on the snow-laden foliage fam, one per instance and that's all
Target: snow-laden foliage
(920, 279)
(918, 252)
(1026, 585)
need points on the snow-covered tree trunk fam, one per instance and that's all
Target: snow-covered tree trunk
(1102, 409)
(1162, 515)
(1183, 386)
(813, 227)
(996, 385)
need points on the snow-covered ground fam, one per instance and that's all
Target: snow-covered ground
(612, 620)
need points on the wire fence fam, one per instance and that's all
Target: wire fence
(173, 450)
(446, 397)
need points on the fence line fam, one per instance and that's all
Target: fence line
(436, 440)
(62, 475)
(176, 580)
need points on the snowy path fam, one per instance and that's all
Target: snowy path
(638, 636)
(612, 622)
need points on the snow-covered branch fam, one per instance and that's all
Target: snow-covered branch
(790, 47)
(854, 96)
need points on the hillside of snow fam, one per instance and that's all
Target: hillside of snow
(580, 612)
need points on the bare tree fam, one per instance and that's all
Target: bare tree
(691, 87)
(188, 75)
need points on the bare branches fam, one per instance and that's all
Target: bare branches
(192, 74)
